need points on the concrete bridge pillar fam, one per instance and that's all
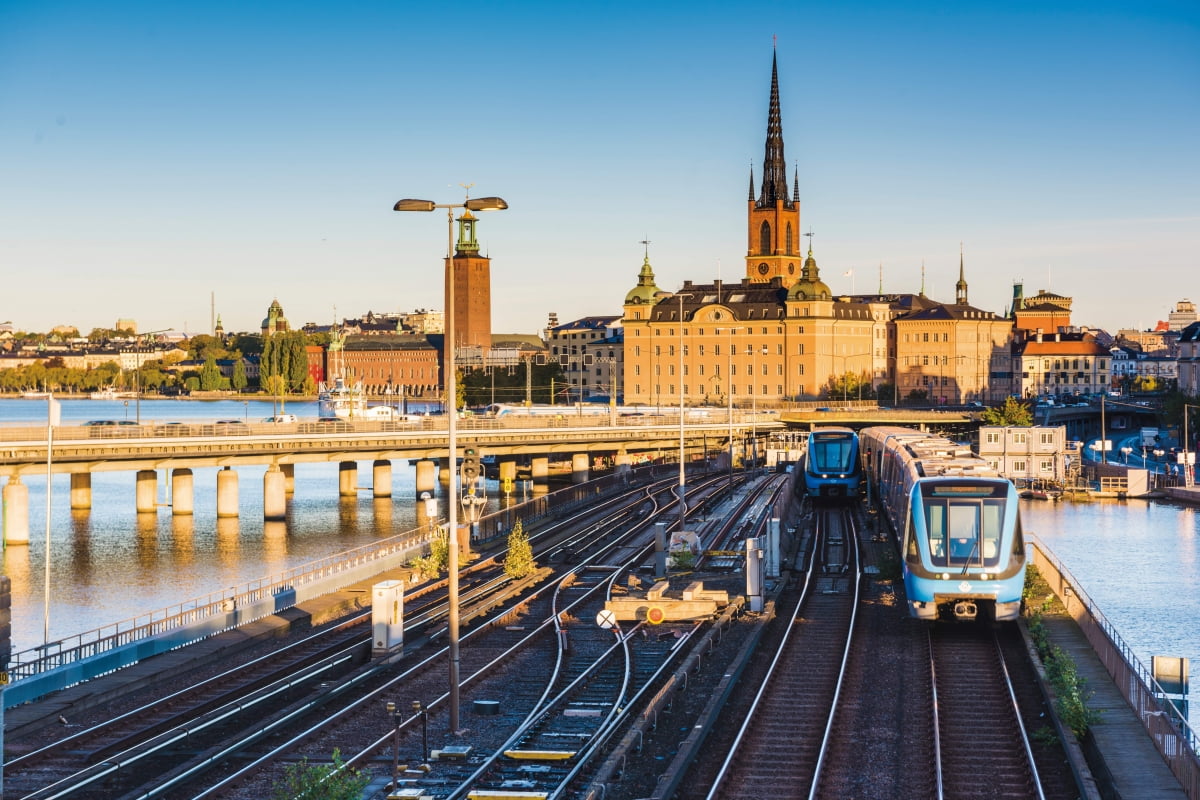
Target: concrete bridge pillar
(289, 477)
(381, 478)
(348, 479)
(183, 499)
(274, 494)
(579, 468)
(227, 493)
(146, 491)
(16, 511)
(426, 476)
(444, 471)
(539, 469)
(622, 463)
(81, 490)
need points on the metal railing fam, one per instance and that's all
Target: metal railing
(1173, 736)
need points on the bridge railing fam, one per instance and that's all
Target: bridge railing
(1174, 737)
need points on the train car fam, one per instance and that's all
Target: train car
(832, 469)
(956, 524)
(542, 410)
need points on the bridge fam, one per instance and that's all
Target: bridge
(180, 448)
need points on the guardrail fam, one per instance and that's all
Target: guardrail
(49, 667)
(1174, 737)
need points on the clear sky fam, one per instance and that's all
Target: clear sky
(154, 155)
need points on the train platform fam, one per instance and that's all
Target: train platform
(1131, 768)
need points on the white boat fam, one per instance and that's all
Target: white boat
(35, 395)
(340, 401)
(109, 393)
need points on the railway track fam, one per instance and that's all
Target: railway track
(983, 750)
(778, 749)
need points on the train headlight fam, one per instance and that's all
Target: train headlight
(945, 576)
(824, 476)
(983, 576)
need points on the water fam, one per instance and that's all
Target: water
(110, 563)
(1139, 561)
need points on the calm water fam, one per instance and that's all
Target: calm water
(1139, 561)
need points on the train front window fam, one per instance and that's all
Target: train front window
(833, 453)
(963, 532)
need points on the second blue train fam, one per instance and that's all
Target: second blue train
(832, 467)
(956, 524)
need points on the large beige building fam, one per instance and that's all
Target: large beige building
(781, 334)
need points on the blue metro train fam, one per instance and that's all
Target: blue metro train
(956, 524)
(832, 469)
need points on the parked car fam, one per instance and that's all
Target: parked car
(281, 419)
(172, 429)
(105, 428)
(226, 427)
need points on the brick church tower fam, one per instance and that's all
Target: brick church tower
(773, 222)
(472, 289)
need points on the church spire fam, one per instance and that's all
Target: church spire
(960, 288)
(774, 181)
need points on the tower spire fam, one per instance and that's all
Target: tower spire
(960, 288)
(774, 182)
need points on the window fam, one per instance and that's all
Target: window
(1019, 466)
(1046, 466)
(1047, 437)
(992, 437)
(1020, 437)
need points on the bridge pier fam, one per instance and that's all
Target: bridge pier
(16, 511)
(227, 493)
(146, 491)
(274, 494)
(381, 478)
(539, 468)
(81, 490)
(426, 477)
(622, 462)
(289, 477)
(183, 497)
(348, 479)
(579, 468)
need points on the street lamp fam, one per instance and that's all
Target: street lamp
(470, 204)
(1125, 451)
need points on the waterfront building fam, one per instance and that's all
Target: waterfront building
(275, 321)
(589, 351)
(1060, 363)
(1188, 363)
(1045, 311)
(472, 275)
(1027, 453)
(1134, 369)
(953, 353)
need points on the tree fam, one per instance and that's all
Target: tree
(519, 561)
(210, 375)
(239, 380)
(333, 781)
(438, 558)
(1014, 413)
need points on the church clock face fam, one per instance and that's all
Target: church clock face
(763, 269)
(791, 269)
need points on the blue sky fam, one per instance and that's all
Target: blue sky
(153, 155)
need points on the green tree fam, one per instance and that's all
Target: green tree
(333, 781)
(1014, 413)
(519, 561)
(239, 380)
(210, 375)
(275, 385)
(438, 558)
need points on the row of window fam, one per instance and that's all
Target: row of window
(670, 390)
(1018, 437)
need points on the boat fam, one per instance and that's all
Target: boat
(340, 401)
(35, 395)
(109, 393)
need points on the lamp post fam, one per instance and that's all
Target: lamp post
(470, 204)
(1125, 451)
(729, 396)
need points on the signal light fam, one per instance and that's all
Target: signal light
(470, 466)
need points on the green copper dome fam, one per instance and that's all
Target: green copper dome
(810, 286)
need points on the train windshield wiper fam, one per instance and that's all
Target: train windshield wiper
(967, 563)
